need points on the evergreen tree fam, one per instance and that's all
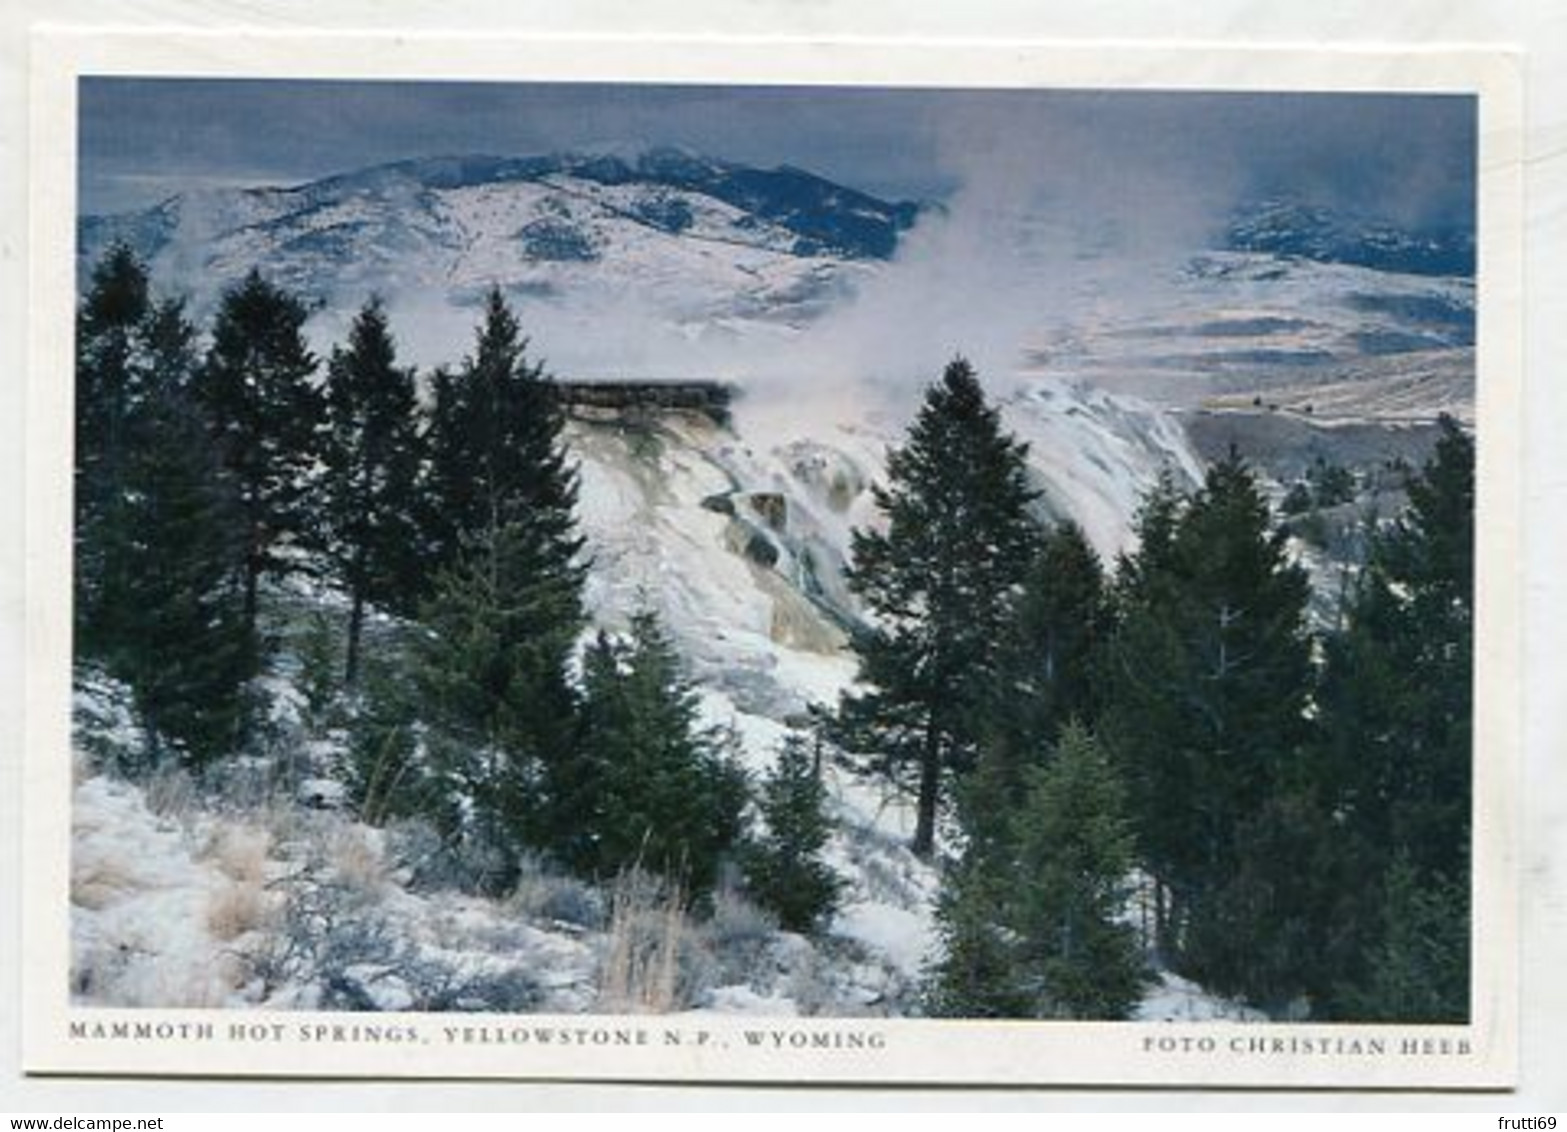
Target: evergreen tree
(265, 414)
(938, 582)
(1076, 957)
(444, 478)
(1208, 677)
(492, 676)
(1030, 917)
(1397, 695)
(1419, 965)
(1049, 652)
(157, 522)
(784, 869)
(182, 640)
(649, 787)
(495, 455)
(109, 328)
(499, 511)
(1396, 703)
(1277, 929)
(1137, 575)
(372, 457)
(978, 974)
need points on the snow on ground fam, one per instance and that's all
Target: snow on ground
(1174, 999)
(737, 540)
(142, 908)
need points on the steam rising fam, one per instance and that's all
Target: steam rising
(1048, 233)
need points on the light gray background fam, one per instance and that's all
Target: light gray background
(1538, 27)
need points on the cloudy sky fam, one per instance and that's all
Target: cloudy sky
(1405, 157)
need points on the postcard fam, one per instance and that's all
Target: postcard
(772, 561)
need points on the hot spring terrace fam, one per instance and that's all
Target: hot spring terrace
(617, 396)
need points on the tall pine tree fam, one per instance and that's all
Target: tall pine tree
(109, 379)
(1208, 677)
(500, 501)
(495, 455)
(938, 582)
(1396, 704)
(372, 453)
(649, 787)
(158, 524)
(256, 388)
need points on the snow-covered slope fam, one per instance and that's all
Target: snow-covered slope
(1228, 323)
(736, 536)
(701, 241)
(665, 263)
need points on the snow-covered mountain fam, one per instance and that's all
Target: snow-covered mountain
(1293, 229)
(700, 239)
(664, 263)
(623, 261)
(1227, 323)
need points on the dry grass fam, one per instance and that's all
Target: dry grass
(238, 907)
(544, 896)
(241, 903)
(355, 861)
(170, 792)
(241, 852)
(100, 880)
(648, 929)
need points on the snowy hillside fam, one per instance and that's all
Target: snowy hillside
(737, 538)
(699, 241)
(664, 263)
(1377, 344)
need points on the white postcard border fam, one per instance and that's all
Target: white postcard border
(62, 1039)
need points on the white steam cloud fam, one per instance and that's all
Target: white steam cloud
(1050, 234)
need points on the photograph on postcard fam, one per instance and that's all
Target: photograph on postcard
(799, 560)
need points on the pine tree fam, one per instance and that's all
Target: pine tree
(495, 455)
(157, 522)
(499, 521)
(372, 453)
(265, 413)
(938, 582)
(1208, 677)
(783, 869)
(649, 788)
(109, 328)
(1075, 955)
(1419, 966)
(977, 975)
(1030, 916)
(1278, 927)
(492, 677)
(183, 645)
(1049, 651)
(1396, 703)
(444, 478)
(1412, 625)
